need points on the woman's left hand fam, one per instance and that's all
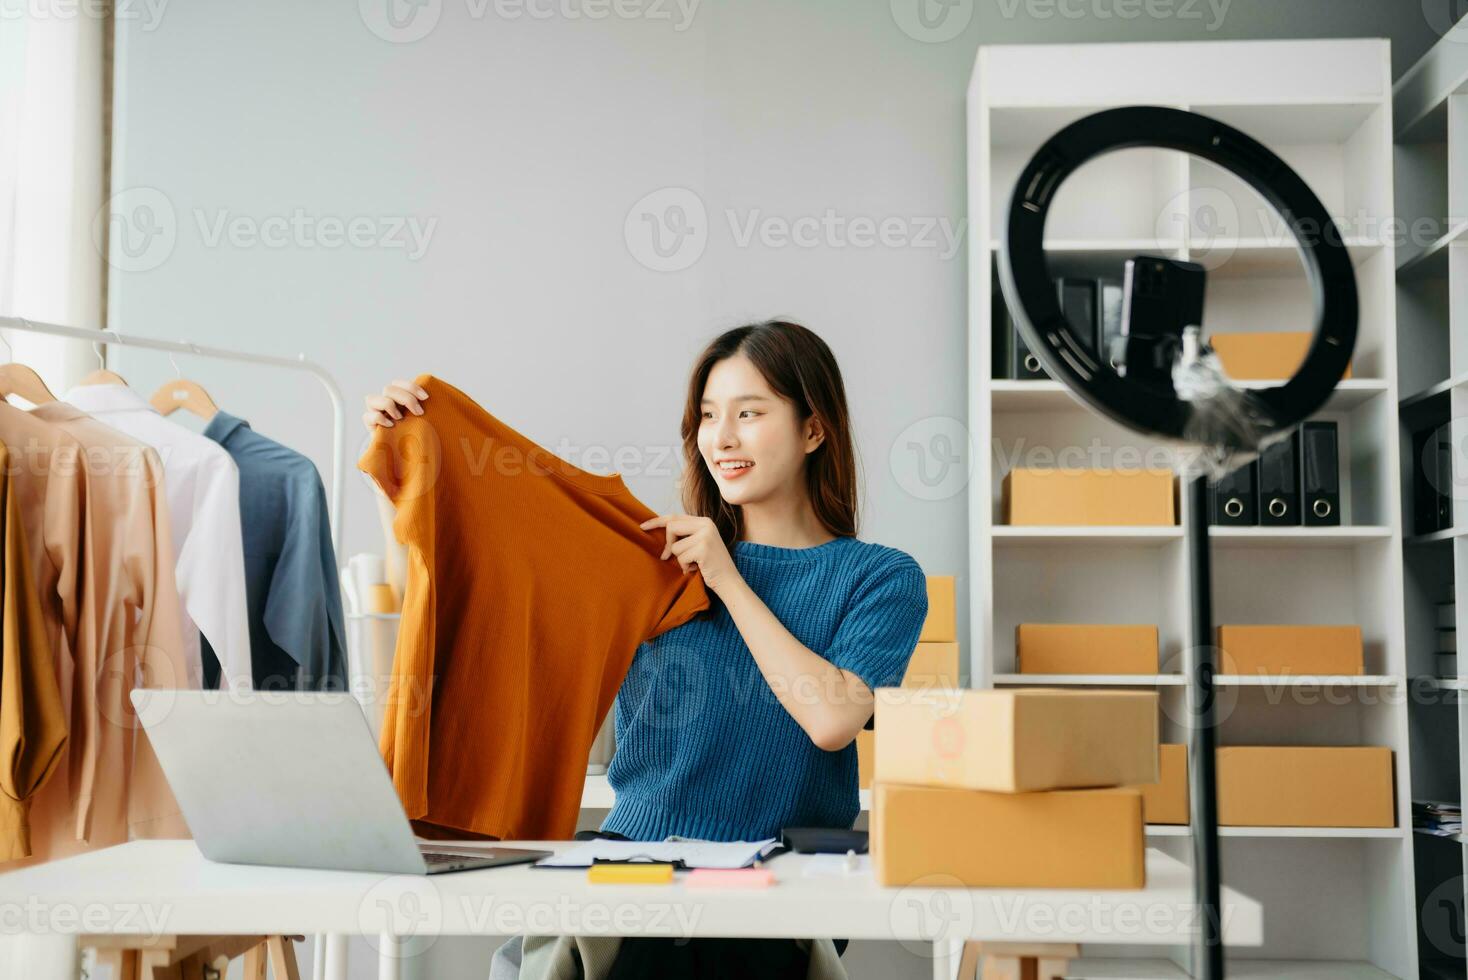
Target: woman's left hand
(696, 543)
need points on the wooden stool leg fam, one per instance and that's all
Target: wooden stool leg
(118, 964)
(255, 962)
(1002, 968)
(1051, 968)
(968, 963)
(283, 958)
(156, 966)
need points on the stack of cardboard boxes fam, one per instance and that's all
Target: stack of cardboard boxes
(1052, 788)
(1025, 788)
(1258, 785)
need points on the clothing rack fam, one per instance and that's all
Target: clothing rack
(330, 950)
(298, 363)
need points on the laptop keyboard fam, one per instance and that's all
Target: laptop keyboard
(438, 859)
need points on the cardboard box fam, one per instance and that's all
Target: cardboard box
(1017, 740)
(954, 837)
(1166, 801)
(1305, 786)
(942, 623)
(865, 748)
(1277, 650)
(1053, 648)
(1143, 497)
(1263, 355)
(932, 665)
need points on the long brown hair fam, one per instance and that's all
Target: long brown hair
(798, 365)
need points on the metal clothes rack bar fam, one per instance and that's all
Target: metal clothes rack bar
(298, 363)
(330, 950)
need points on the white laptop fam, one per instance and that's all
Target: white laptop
(292, 779)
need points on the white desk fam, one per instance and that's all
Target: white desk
(168, 888)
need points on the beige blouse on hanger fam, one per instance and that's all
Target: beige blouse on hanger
(32, 721)
(110, 785)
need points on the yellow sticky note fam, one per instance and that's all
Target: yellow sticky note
(630, 874)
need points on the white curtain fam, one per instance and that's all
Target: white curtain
(53, 158)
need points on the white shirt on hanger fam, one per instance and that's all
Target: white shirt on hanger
(202, 484)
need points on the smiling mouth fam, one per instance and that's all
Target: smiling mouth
(734, 468)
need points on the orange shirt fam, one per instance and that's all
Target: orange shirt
(530, 586)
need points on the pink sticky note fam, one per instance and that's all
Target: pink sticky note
(729, 878)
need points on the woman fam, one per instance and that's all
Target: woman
(742, 721)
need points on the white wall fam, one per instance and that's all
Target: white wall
(524, 144)
(517, 145)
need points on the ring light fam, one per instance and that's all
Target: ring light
(1030, 291)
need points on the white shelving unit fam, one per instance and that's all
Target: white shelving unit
(1339, 901)
(1430, 105)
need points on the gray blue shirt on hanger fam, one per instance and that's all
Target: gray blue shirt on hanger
(297, 634)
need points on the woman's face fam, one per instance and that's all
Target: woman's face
(750, 437)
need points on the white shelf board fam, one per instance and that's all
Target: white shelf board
(1022, 535)
(1318, 834)
(1238, 969)
(1293, 122)
(1178, 680)
(1088, 680)
(1104, 246)
(1297, 537)
(1008, 395)
(1445, 683)
(1306, 833)
(1315, 833)
(1446, 534)
(1309, 680)
(1430, 261)
(1168, 830)
(1268, 257)
(1427, 394)
(1455, 838)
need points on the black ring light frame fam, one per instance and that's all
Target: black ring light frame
(1030, 293)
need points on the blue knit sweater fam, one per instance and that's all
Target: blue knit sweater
(705, 750)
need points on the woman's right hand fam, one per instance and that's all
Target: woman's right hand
(385, 408)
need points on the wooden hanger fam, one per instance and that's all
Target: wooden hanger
(102, 376)
(183, 393)
(17, 379)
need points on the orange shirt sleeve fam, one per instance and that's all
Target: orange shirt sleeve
(405, 462)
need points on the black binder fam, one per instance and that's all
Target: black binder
(1001, 335)
(1320, 474)
(1279, 483)
(1426, 509)
(1023, 365)
(1078, 304)
(1444, 484)
(1232, 500)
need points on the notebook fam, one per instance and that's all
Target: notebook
(679, 853)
